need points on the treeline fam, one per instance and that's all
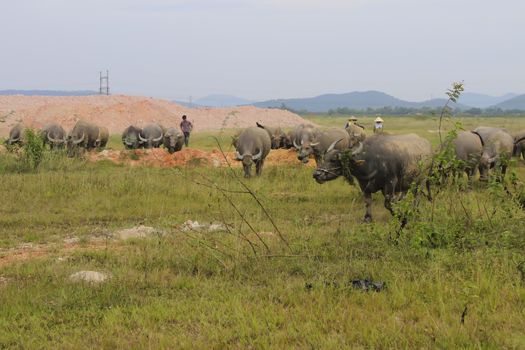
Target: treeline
(411, 111)
(425, 111)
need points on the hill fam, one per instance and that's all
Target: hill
(219, 100)
(517, 102)
(116, 112)
(482, 100)
(352, 100)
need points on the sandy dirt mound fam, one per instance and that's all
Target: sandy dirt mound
(189, 157)
(119, 111)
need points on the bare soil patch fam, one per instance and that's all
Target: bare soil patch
(189, 157)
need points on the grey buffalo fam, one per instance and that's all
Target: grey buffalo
(317, 143)
(54, 135)
(16, 134)
(84, 135)
(151, 136)
(277, 135)
(130, 137)
(386, 163)
(103, 137)
(253, 146)
(173, 140)
(519, 144)
(497, 150)
(468, 147)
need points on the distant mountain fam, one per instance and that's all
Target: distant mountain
(352, 100)
(219, 100)
(48, 92)
(216, 100)
(517, 102)
(482, 100)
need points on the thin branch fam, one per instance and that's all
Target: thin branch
(254, 196)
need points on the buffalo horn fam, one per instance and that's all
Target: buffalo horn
(358, 149)
(79, 140)
(52, 140)
(258, 155)
(142, 138)
(315, 144)
(158, 138)
(332, 146)
(295, 144)
(238, 156)
(519, 140)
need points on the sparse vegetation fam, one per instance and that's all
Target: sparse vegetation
(454, 276)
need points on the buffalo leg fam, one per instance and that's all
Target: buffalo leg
(247, 170)
(368, 204)
(388, 202)
(259, 167)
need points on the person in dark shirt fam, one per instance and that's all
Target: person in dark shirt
(186, 126)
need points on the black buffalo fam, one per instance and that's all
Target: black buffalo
(386, 163)
(130, 137)
(54, 135)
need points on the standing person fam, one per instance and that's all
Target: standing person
(353, 121)
(378, 126)
(186, 126)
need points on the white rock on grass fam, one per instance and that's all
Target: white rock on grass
(3, 281)
(135, 232)
(89, 276)
(196, 226)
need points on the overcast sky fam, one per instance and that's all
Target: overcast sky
(261, 49)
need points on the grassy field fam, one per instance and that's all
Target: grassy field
(455, 276)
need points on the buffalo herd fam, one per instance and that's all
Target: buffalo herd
(382, 162)
(88, 136)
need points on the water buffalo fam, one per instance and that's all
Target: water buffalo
(151, 135)
(277, 135)
(288, 141)
(468, 147)
(54, 135)
(16, 134)
(302, 132)
(497, 150)
(103, 137)
(130, 137)
(83, 135)
(386, 163)
(253, 146)
(519, 144)
(318, 143)
(173, 140)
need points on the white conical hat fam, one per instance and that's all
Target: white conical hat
(378, 120)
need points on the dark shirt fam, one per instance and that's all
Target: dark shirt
(186, 125)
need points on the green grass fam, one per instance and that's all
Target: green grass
(209, 290)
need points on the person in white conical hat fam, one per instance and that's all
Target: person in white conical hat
(378, 125)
